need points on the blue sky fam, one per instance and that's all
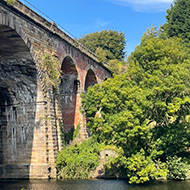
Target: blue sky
(81, 17)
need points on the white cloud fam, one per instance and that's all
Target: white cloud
(145, 5)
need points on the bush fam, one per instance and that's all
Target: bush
(141, 168)
(177, 168)
(76, 162)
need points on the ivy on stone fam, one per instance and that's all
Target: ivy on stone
(50, 71)
(10, 2)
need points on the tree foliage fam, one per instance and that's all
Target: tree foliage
(112, 43)
(146, 108)
(117, 66)
(141, 168)
(177, 168)
(154, 90)
(101, 55)
(109, 47)
(178, 19)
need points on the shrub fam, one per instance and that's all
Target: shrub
(177, 168)
(141, 168)
(76, 162)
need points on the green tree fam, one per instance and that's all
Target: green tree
(154, 89)
(178, 19)
(101, 55)
(117, 66)
(148, 106)
(112, 42)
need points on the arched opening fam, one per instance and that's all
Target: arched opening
(68, 90)
(90, 79)
(18, 92)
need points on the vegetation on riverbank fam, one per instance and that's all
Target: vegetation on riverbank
(78, 161)
(144, 112)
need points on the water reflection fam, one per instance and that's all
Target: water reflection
(90, 185)
(164, 185)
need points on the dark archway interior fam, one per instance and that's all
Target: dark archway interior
(68, 91)
(18, 92)
(90, 79)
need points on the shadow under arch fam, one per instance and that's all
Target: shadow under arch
(90, 79)
(68, 91)
(18, 94)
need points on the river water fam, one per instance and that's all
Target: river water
(91, 185)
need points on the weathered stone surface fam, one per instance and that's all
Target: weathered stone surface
(100, 170)
(29, 122)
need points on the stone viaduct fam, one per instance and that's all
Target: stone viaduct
(30, 114)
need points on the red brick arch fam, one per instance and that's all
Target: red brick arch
(90, 79)
(68, 90)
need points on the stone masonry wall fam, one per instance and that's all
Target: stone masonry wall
(20, 118)
(29, 121)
